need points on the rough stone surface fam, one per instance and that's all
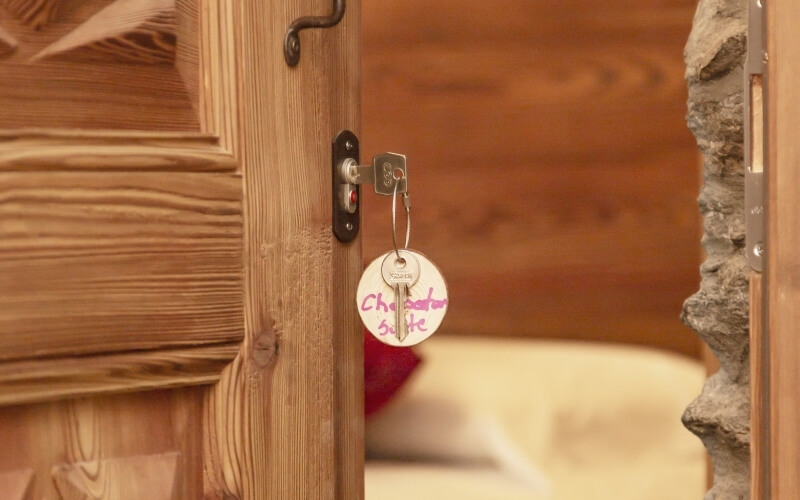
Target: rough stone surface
(718, 312)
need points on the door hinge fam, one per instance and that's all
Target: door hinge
(755, 87)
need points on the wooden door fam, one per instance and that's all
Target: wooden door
(775, 293)
(175, 314)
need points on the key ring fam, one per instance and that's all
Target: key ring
(407, 207)
(402, 296)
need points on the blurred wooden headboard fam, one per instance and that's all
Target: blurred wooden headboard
(552, 175)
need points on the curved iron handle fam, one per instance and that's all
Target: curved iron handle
(291, 43)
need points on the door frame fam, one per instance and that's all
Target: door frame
(775, 293)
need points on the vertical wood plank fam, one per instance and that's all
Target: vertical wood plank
(285, 420)
(783, 260)
(348, 346)
(758, 402)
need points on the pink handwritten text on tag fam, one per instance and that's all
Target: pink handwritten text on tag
(413, 325)
(375, 301)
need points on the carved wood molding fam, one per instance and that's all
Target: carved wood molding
(136, 31)
(188, 42)
(219, 65)
(47, 380)
(165, 65)
(177, 206)
(8, 43)
(150, 477)
(141, 151)
(105, 242)
(34, 13)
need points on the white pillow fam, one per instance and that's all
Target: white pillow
(437, 430)
(586, 413)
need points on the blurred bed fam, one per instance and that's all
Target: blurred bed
(516, 419)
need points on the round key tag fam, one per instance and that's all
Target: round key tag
(425, 298)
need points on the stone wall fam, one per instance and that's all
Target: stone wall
(719, 310)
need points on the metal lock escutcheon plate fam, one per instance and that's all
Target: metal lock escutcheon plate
(345, 196)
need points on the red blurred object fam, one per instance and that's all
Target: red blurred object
(386, 369)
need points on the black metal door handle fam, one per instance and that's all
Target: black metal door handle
(291, 43)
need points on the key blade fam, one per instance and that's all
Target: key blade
(400, 273)
(364, 174)
(401, 325)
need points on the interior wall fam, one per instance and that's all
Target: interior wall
(552, 175)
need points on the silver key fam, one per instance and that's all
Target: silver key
(400, 274)
(387, 169)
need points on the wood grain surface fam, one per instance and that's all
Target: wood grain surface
(50, 380)
(783, 260)
(759, 392)
(552, 175)
(34, 13)
(116, 151)
(299, 386)
(16, 484)
(118, 262)
(109, 432)
(101, 64)
(8, 43)
(134, 31)
(150, 477)
(143, 262)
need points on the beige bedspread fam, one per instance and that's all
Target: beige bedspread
(521, 419)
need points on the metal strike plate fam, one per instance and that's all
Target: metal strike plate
(755, 160)
(345, 196)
